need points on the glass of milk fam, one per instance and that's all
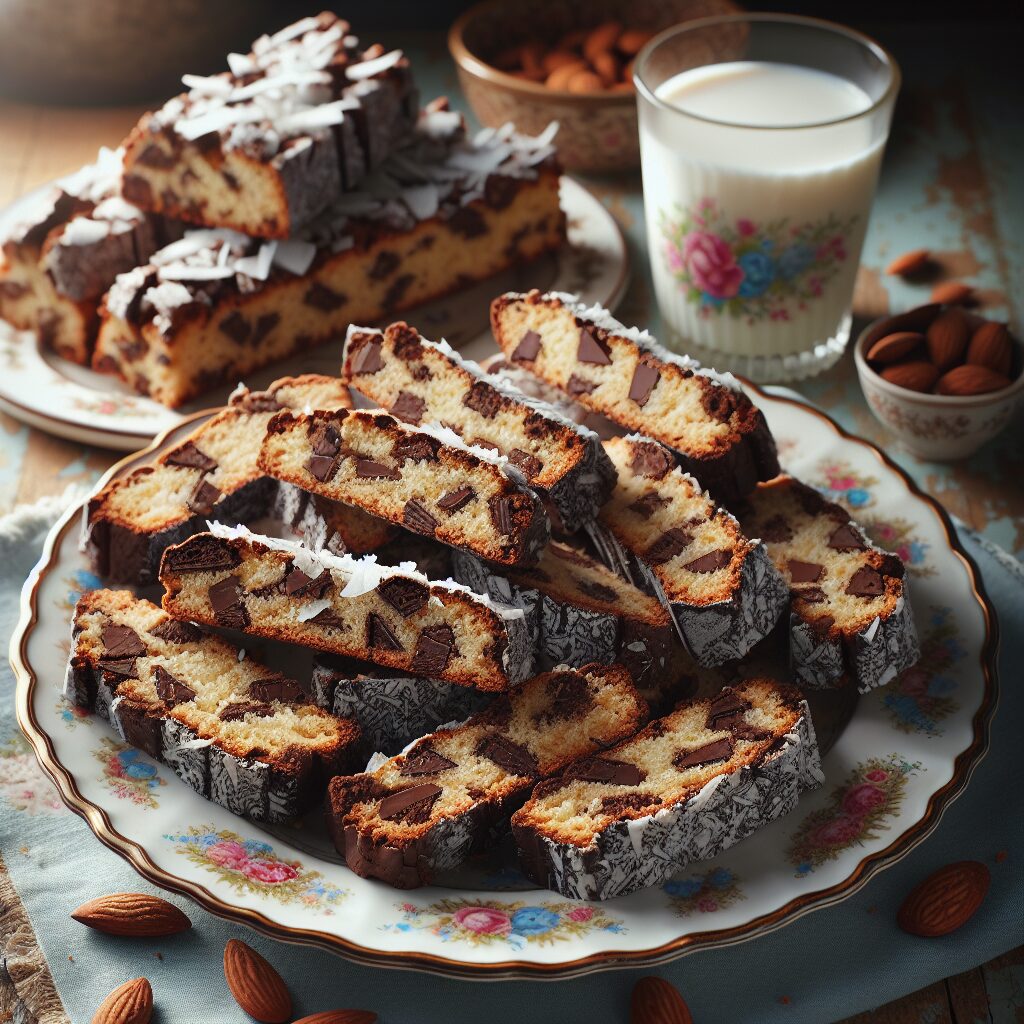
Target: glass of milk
(760, 138)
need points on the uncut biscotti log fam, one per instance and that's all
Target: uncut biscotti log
(391, 615)
(238, 733)
(425, 810)
(563, 462)
(444, 211)
(211, 474)
(684, 788)
(850, 616)
(424, 478)
(662, 530)
(717, 433)
(264, 147)
(321, 523)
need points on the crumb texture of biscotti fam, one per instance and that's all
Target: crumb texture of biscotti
(718, 434)
(423, 811)
(425, 478)
(397, 368)
(684, 788)
(391, 615)
(850, 613)
(211, 474)
(238, 733)
(664, 532)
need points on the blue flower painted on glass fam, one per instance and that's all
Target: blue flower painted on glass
(255, 846)
(939, 686)
(720, 878)
(857, 496)
(794, 260)
(684, 887)
(758, 273)
(534, 921)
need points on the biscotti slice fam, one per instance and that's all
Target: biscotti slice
(237, 732)
(264, 147)
(684, 788)
(850, 616)
(718, 434)
(211, 474)
(427, 809)
(564, 462)
(661, 528)
(333, 525)
(391, 707)
(424, 478)
(391, 615)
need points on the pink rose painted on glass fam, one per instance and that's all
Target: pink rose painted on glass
(746, 227)
(483, 920)
(228, 854)
(876, 775)
(838, 832)
(863, 799)
(580, 914)
(707, 905)
(914, 684)
(269, 871)
(673, 257)
(711, 265)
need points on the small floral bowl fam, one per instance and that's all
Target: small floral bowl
(597, 131)
(939, 428)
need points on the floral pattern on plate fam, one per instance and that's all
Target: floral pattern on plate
(128, 774)
(705, 893)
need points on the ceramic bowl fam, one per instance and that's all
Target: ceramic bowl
(940, 428)
(598, 131)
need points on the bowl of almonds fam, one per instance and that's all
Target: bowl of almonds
(570, 61)
(942, 379)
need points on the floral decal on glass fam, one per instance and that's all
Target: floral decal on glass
(251, 866)
(705, 893)
(490, 922)
(23, 783)
(920, 698)
(747, 269)
(71, 714)
(127, 773)
(838, 481)
(857, 811)
(78, 583)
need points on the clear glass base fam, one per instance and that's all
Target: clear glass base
(769, 369)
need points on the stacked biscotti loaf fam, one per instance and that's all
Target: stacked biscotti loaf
(238, 733)
(425, 810)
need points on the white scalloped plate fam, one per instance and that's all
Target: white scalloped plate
(892, 768)
(60, 398)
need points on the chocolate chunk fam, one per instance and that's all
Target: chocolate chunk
(479, 442)
(177, 632)
(319, 296)
(527, 464)
(644, 379)
(264, 325)
(598, 591)
(237, 711)
(627, 802)
(258, 401)
(454, 500)
(804, 572)
(191, 457)
(383, 266)
(124, 668)
(593, 350)
(650, 460)
(203, 497)
(716, 750)
(380, 635)
(482, 398)
(846, 538)
(226, 602)
(646, 505)
(328, 617)
(577, 385)
(434, 649)
(325, 439)
(515, 759)
(500, 190)
(367, 469)
(866, 582)
(153, 156)
(417, 447)
(425, 761)
(501, 514)
(570, 696)
(528, 348)
(236, 327)
(322, 467)
(415, 517)
(365, 357)
(412, 805)
(409, 407)
(121, 642)
(200, 554)
(405, 595)
(726, 709)
(298, 584)
(710, 561)
(279, 688)
(811, 595)
(467, 222)
(170, 689)
(608, 770)
(670, 544)
(776, 530)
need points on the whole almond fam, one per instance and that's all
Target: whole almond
(894, 347)
(633, 40)
(990, 346)
(584, 81)
(130, 1003)
(559, 78)
(601, 39)
(916, 375)
(966, 380)
(556, 58)
(655, 1001)
(607, 67)
(952, 293)
(339, 1017)
(132, 913)
(909, 263)
(530, 59)
(257, 987)
(947, 337)
(945, 900)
